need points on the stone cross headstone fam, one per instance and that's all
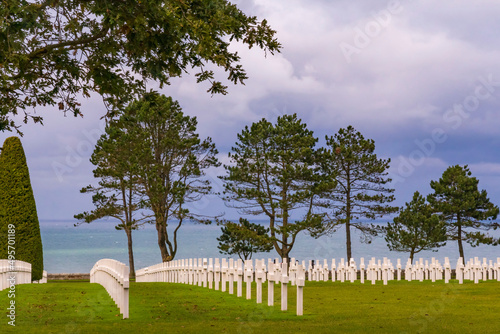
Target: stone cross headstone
(292, 271)
(260, 277)
(210, 273)
(447, 270)
(334, 270)
(204, 273)
(284, 286)
(271, 277)
(485, 269)
(353, 270)
(432, 269)
(190, 273)
(216, 274)
(225, 274)
(248, 278)
(239, 278)
(385, 269)
(326, 272)
(231, 273)
(301, 280)
(362, 270)
(460, 271)
(341, 270)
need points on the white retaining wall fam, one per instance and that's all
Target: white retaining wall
(114, 277)
(14, 272)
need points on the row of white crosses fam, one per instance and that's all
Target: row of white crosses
(475, 270)
(13, 272)
(433, 271)
(114, 277)
(384, 270)
(220, 274)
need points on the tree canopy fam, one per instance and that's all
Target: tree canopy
(465, 209)
(170, 161)
(119, 193)
(53, 51)
(361, 178)
(273, 172)
(415, 229)
(18, 215)
(244, 238)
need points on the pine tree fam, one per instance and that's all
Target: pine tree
(244, 238)
(464, 208)
(273, 173)
(361, 183)
(119, 192)
(17, 208)
(415, 229)
(169, 159)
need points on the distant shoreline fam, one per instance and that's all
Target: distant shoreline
(68, 276)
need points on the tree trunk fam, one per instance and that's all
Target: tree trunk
(130, 254)
(412, 254)
(284, 249)
(348, 239)
(165, 256)
(460, 246)
(285, 256)
(348, 217)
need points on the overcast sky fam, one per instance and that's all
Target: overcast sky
(421, 78)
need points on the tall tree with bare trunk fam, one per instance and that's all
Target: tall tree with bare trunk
(362, 191)
(273, 172)
(466, 210)
(171, 161)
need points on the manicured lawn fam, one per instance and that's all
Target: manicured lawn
(411, 307)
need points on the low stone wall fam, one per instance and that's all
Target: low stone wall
(66, 276)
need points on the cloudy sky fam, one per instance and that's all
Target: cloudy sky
(421, 78)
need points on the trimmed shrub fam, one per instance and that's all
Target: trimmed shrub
(17, 207)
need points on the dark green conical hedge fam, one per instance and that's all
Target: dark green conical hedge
(17, 207)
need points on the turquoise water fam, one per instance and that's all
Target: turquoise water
(69, 249)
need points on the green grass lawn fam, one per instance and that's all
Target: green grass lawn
(400, 307)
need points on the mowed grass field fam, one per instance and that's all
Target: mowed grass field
(399, 307)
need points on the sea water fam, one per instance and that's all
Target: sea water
(70, 249)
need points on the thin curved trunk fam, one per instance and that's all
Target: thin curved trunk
(348, 228)
(460, 245)
(348, 219)
(172, 248)
(348, 238)
(130, 254)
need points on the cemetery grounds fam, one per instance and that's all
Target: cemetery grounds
(329, 307)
